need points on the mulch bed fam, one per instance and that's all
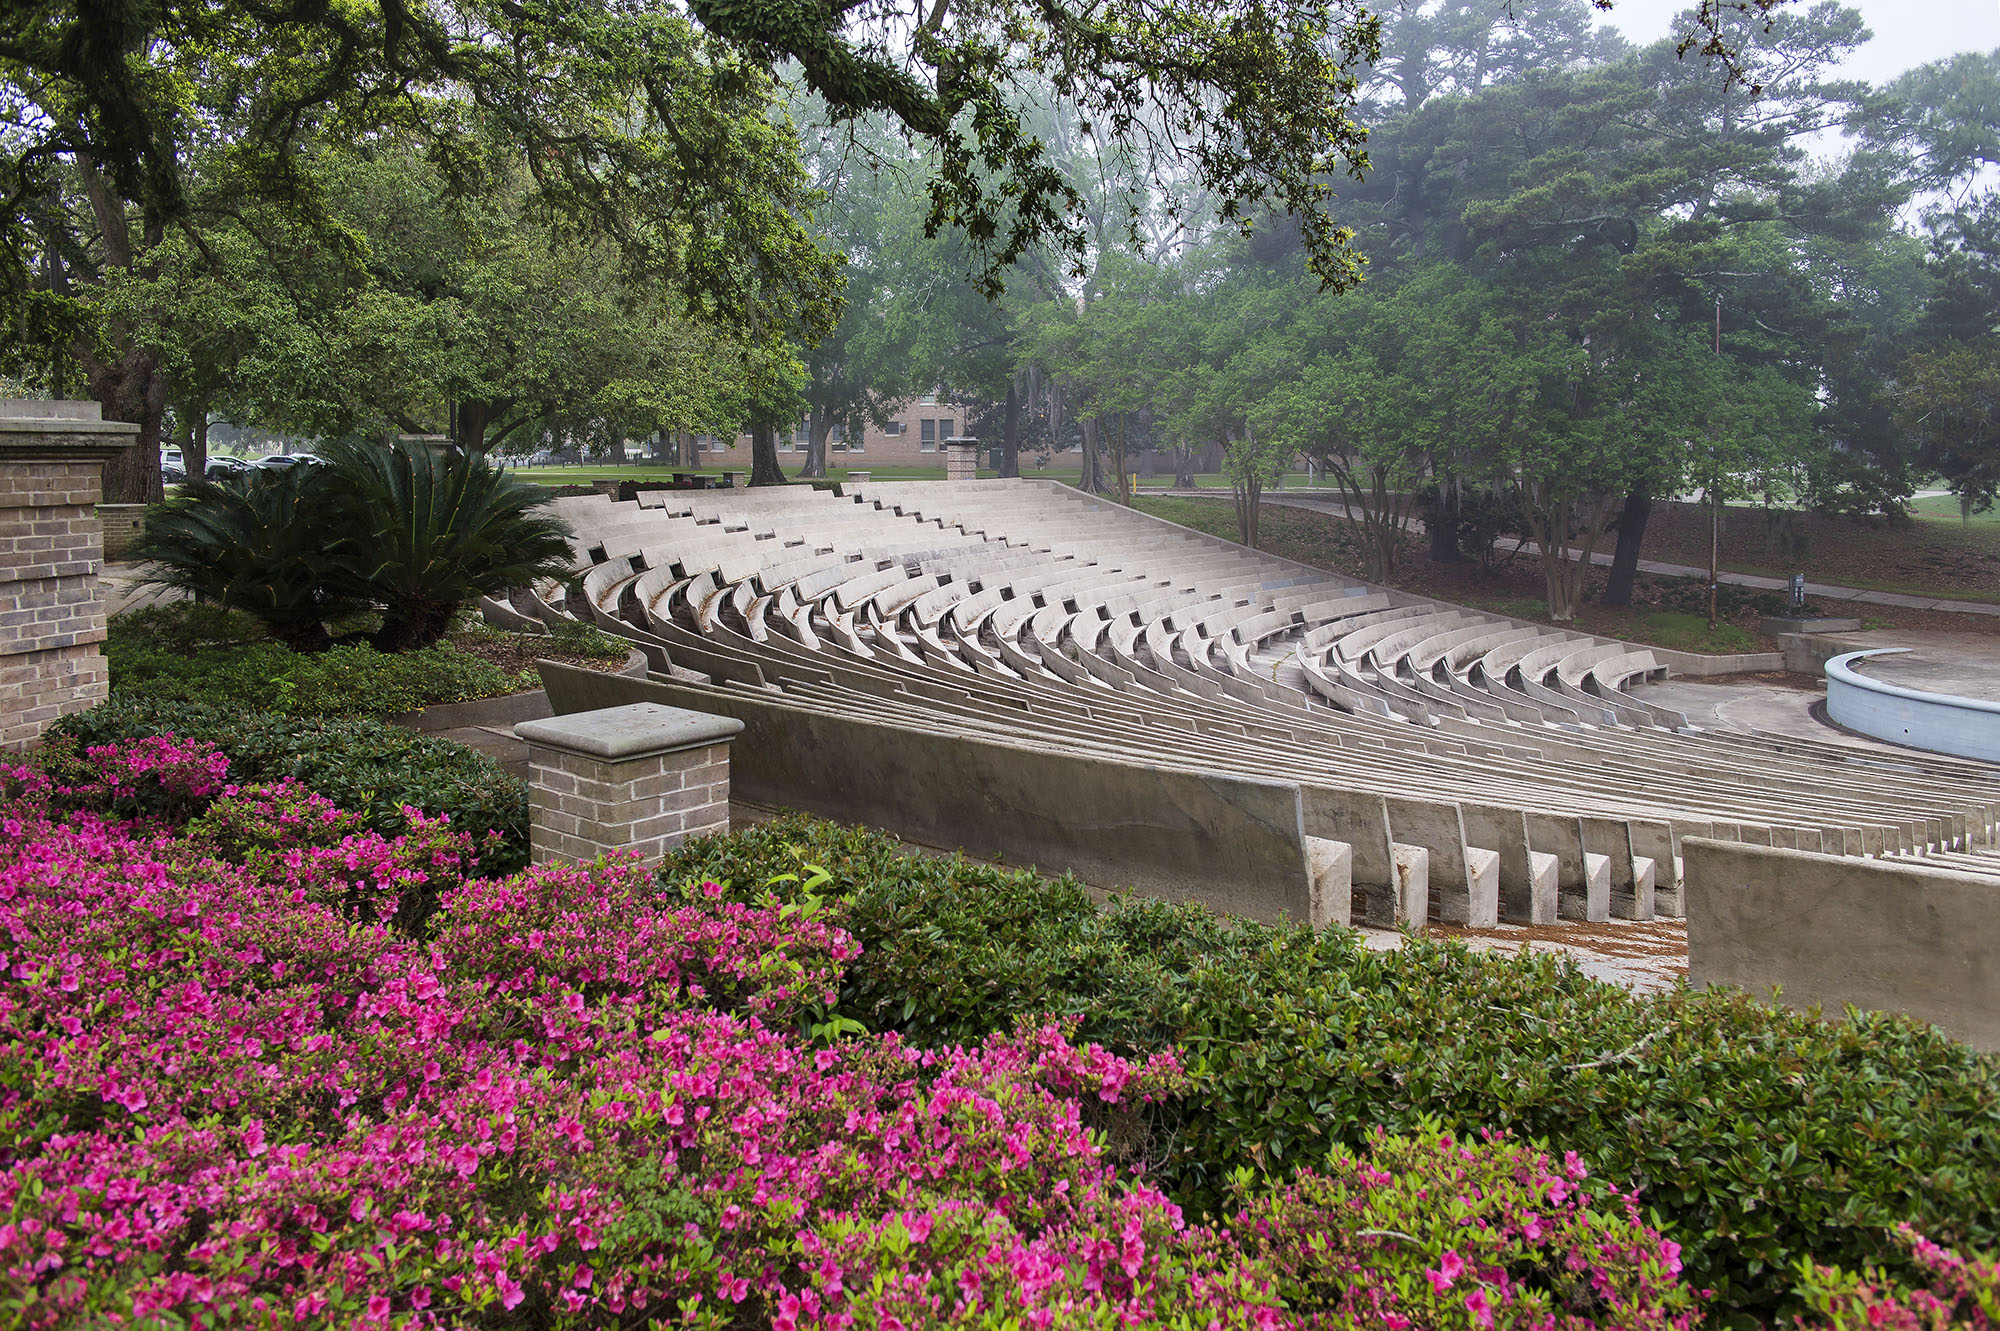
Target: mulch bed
(520, 651)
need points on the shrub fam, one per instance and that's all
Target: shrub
(369, 767)
(158, 776)
(1954, 1291)
(259, 541)
(350, 679)
(246, 1095)
(432, 530)
(1760, 1136)
(1427, 1231)
(182, 627)
(400, 527)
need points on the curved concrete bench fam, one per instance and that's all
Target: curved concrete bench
(1359, 643)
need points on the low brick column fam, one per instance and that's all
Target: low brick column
(961, 458)
(51, 552)
(642, 777)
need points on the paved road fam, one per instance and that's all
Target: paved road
(1329, 503)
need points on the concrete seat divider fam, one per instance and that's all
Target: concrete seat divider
(1583, 879)
(1529, 883)
(1465, 879)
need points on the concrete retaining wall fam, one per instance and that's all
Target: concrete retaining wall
(1808, 653)
(1831, 930)
(1235, 843)
(1699, 664)
(1939, 722)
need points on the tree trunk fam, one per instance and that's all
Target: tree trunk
(1443, 524)
(616, 449)
(1249, 494)
(194, 453)
(685, 450)
(1184, 457)
(1625, 558)
(1123, 473)
(764, 468)
(1092, 479)
(469, 425)
(819, 426)
(134, 389)
(132, 386)
(1010, 435)
(414, 626)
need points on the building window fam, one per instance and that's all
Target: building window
(929, 443)
(945, 430)
(929, 399)
(896, 429)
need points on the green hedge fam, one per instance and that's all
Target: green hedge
(369, 767)
(1758, 1135)
(349, 680)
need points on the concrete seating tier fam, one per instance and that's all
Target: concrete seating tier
(1474, 768)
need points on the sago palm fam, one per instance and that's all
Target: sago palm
(431, 530)
(263, 542)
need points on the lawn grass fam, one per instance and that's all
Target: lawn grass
(1944, 508)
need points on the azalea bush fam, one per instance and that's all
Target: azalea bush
(1955, 1290)
(271, 1066)
(372, 769)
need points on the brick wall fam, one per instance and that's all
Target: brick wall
(51, 550)
(122, 525)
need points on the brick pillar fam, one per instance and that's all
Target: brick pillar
(642, 777)
(51, 551)
(961, 458)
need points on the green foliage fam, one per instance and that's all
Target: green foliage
(182, 627)
(1757, 1135)
(428, 530)
(403, 528)
(1434, 1231)
(348, 680)
(365, 766)
(1957, 1290)
(261, 542)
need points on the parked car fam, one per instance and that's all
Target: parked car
(224, 466)
(283, 461)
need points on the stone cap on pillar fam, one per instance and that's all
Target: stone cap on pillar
(623, 734)
(38, 430)
(962, 441)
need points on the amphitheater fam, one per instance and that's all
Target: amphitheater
(1044, 676)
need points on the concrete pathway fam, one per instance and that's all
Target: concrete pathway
(1330, 503)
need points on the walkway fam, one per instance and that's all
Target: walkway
(1330, 503)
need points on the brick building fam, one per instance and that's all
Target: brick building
(914, 438)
